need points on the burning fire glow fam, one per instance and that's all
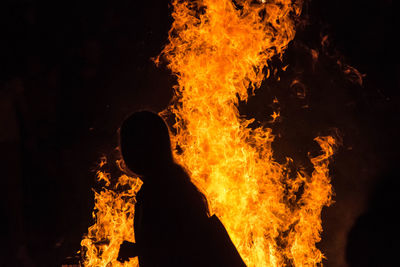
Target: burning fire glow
(218, 50)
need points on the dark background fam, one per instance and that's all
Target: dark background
(72, 70)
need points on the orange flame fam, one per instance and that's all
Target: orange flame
(218, 49)
(114, 210)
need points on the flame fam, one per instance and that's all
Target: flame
(113, 212)
(219, 50)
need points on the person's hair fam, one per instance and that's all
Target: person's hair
(144, 142)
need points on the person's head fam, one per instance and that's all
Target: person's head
(145, 143)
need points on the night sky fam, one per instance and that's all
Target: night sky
(72, 70)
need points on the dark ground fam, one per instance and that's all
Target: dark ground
(72, 70)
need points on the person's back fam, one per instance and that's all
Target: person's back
(169, 222)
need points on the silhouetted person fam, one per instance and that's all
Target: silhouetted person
(172, 224)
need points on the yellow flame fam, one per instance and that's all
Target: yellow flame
(218, 50)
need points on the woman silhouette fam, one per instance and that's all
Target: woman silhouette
(172, 224)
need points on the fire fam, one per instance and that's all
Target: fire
(219, 51)
(114, 210)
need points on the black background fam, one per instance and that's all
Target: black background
(72, 70)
